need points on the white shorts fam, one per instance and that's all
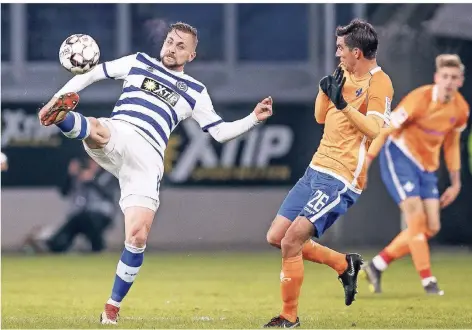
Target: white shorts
(134, 161)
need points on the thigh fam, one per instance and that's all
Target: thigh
(296, 198)
(277, 229)
(415, 216)
(398, 174)
(140, 174)
(109, 157)
(432, 209)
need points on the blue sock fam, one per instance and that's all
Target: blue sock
(75, 126)
(128, 267)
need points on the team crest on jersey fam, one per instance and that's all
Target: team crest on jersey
(181, 85)
(163, 92)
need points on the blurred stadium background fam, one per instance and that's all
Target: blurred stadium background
(211, 198)
(214, 197)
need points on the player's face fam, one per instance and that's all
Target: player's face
(449, 80)
(177, 50)
(346, 55)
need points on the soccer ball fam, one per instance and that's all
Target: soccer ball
(79, 53)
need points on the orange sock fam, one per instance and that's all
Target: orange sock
(291, 279)
(398, 247)
(418, 243)
(318, 253)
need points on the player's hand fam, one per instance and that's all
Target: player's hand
(45, 109)
(332, 86)
(263, 109)
(449, 196)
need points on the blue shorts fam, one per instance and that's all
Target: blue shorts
(319, 197)
(403, 178)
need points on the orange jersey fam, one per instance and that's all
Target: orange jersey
(423, 123)
(343, 148)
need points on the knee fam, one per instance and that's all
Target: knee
(138, 240)
(433, 229)
(138, 236)
(97, 131)
(289, 243)
(273, 239)
(93, 121)
(413, 209)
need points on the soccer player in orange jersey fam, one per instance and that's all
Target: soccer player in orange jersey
(353, 103)
(429, 117)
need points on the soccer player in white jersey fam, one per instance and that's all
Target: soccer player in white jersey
(156, 96)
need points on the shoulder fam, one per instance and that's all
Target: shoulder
(380, 79)
(422, 92)
(194, 83)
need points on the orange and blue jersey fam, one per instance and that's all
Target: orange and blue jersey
(411, 153)
(336, 175)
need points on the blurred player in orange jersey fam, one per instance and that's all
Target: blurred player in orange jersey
(353, 103)
(429, 117)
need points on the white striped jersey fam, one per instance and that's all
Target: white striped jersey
(154, 99)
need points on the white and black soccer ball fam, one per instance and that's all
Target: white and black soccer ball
(79, 53)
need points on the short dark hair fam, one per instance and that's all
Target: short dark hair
(184, 27)
(360, 34)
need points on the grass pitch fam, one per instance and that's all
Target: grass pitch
(224, 290)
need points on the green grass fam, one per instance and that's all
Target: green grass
(225, 290)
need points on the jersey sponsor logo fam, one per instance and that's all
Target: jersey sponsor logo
(359, 92)
(163, 92)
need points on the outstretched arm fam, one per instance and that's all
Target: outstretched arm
(223, 131)
(226, 131)
(117, 69)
